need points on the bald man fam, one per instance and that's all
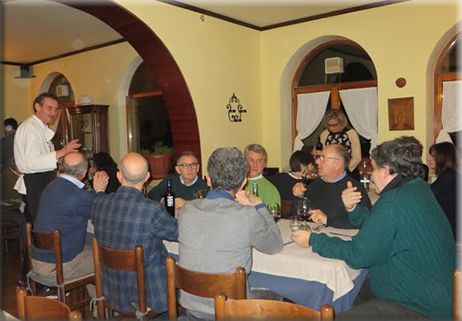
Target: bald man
(64, 205)
(325, 192)
(125, 219)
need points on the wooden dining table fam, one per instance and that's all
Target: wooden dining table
(303, 276)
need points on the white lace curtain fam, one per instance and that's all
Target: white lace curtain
(361, 106)
(310, 110)
(451, 113)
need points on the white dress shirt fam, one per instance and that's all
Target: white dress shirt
(33, 149)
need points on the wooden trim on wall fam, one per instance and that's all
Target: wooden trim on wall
(156, 55)
(438, 86)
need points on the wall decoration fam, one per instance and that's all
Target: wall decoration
(400, 82)
(401, 113)
(235, 109)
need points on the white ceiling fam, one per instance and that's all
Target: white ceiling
(35, 30)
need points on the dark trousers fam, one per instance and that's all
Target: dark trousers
(35, 184)
(368, 307)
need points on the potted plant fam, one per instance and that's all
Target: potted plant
(159, 159)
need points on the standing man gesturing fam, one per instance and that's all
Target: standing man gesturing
(34, 152)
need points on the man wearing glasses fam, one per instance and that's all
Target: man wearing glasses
(185, 182)
(325, 192)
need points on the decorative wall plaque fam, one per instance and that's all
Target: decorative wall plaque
(401, 113)
(235, 109)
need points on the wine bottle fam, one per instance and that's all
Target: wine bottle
(365, 179)
(319, 144)
(169, 198)
(255, 189)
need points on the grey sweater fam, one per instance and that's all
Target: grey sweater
(216, 235)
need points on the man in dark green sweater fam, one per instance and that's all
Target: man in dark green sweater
(406, 240)
(185, 182)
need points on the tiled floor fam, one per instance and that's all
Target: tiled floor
(11, 273)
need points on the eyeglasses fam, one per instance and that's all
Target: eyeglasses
(185, 166)
(316, 157)
(332, 125)
(323, 158)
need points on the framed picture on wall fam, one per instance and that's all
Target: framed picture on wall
(401, 113)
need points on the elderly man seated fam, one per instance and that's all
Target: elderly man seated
(64, 205)
(325, 192)
(185, 182)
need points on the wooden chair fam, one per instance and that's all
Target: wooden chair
(52, 241)
(34, 307)
(267, 309)
(457, 296)
(122, 260)
(201, 284)
(286, 207)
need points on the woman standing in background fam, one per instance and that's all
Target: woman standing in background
(337, 132)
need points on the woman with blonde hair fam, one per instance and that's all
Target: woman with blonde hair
(337, 132)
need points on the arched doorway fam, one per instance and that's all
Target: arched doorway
(156, 55)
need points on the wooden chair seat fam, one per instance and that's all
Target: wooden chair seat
(201, 284)
(52, 241)
(122, 260)
(34, 307)
(267, 309)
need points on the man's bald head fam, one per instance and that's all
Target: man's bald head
(74, 164)
(133, 169)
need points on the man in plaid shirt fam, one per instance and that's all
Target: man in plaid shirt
(125, 219)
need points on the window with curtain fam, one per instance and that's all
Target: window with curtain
(448, 86)
(353, 91)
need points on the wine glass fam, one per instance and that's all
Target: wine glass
(295, 223)
(275, 211)
(304, 210)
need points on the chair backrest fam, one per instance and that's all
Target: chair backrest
(286, 207)
(457, 296)
(202, 284)
(35, 307)
(46, 241)
(267, 309)
(122, 260)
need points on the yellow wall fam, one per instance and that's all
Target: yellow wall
(15, 95)
(218, 59)
(399, 38)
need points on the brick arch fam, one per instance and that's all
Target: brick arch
(152, 50)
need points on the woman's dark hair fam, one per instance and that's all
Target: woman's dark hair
(102, 160)
(401, 155)
(446, 156)
(298, 158)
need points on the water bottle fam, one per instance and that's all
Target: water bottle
(169, 198)
(365, 179)
(255, 189)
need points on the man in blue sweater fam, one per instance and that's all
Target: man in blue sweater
(64, 205)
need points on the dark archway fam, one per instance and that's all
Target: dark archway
(161, 63)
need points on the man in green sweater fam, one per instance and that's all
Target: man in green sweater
(258, 158)
(406, 240)
(185, 182)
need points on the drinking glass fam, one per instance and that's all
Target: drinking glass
(275, 211)
(295, 222)
(304, 210)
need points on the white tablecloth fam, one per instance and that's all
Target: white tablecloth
(301, 263)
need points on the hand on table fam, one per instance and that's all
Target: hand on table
(301, 237)
(244, 197)
(299, 189)
(351, 196)
(100, 181)
(318, 216)
(179, 202)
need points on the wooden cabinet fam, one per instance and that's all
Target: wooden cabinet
(89, 124)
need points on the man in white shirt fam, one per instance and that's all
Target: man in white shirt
(34, 152)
